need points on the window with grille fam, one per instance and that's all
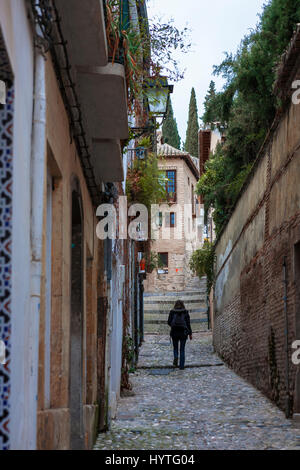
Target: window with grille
(193, 200)
(164, 259)
(160, 219)
(164, 262)
(171, 220)
(171, 184)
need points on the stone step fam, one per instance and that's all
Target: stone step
(164, 329)
(171, 303)
(157, 306)
(196, 282)
(162, 322)
(160, 300)
(192, 311)
(165, 315)
(175, 295)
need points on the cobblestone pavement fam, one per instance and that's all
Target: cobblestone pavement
(203, 407)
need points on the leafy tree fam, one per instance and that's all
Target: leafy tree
(191, 142)
(170, 129)
(246, 106)
(165, 39)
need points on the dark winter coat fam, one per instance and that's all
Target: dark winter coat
(176, 334)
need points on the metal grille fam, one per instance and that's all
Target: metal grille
(171, 184)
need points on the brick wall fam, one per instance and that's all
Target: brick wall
(262, 233)
(249, 332)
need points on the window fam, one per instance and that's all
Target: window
(160, 219)
(164, 261)
(193, 200)
(171, 220)
(171, 184)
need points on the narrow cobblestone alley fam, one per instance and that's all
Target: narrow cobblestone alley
(204, 407)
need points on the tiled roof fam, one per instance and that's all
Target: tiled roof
(166, 150)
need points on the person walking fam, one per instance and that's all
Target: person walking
(180, 323)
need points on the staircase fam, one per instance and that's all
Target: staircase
(158, 305)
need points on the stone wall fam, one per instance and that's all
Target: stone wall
(262, 234)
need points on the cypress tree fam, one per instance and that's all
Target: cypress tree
(170, 129)
(191, 141)
(210, 114)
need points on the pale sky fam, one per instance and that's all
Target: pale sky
(217, 26)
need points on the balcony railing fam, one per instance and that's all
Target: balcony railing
(117, 55)
(171, 197)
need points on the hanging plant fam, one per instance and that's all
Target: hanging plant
(153, 261)
(125, 45)
(145, 182)
(202, 263)
(144, 50)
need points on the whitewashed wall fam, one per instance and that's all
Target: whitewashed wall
(19, 42)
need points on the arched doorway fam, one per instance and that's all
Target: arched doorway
(76, 325)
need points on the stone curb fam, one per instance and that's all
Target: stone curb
(187, 366)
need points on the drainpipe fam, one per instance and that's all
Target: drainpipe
(109, 320)
(38, 162)
(208, 311)
(286, 334)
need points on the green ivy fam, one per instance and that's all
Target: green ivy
(202, 263)
(145, 182)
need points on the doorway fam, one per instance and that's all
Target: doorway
(76, 326)
(297, 293)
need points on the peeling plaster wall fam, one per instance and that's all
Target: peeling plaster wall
(54, 421)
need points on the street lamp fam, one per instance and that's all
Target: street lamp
(157, 91)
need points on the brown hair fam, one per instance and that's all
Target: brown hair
(179, 305)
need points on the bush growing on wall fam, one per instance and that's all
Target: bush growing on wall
(202, 263)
